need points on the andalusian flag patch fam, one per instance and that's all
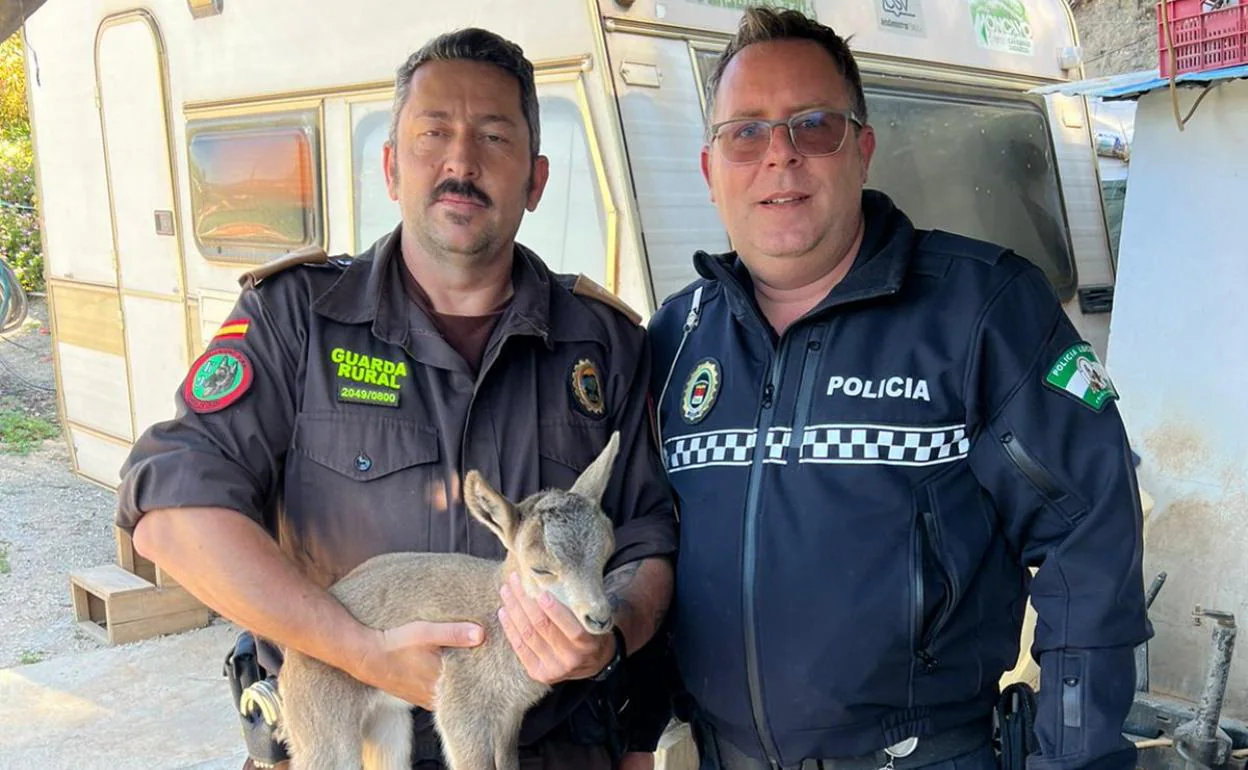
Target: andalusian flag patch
(1079, 374)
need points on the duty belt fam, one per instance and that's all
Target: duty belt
(925, 751)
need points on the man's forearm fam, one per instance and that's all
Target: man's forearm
(640, 593)
(232, 565)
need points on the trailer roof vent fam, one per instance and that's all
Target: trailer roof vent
(1096, 299)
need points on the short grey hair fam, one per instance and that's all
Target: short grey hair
(472, 44)
(763, 25)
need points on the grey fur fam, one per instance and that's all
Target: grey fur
(331, 721)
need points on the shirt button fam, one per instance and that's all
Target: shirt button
(363, 462)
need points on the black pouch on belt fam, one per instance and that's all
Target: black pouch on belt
(1016, 721)
(243, 670)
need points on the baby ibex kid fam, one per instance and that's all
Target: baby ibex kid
(558, 541)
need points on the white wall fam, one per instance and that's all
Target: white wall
(1178, 351)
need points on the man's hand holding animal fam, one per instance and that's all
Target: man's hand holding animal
(551, 644)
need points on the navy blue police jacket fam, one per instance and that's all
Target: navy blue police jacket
(861, 498)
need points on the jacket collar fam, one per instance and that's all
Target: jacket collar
(879, 268)
(370, 291)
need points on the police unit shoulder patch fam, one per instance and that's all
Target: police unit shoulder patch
(586, 385)
(217, 379)
(701, 390)
(1079, 374)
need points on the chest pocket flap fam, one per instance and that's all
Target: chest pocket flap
(364, 447)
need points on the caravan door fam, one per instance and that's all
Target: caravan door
(147, 255)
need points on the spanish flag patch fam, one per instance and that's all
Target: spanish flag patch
(231, 330)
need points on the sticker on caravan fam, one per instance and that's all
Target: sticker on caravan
(802, 6)
(1002, 25)
(904, 16)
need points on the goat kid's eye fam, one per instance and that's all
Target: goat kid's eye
(540, 571)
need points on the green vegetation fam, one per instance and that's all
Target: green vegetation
(20, 432)
(28, 657)
(20, 242)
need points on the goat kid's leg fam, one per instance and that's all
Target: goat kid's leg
(466, 731)
(467, 742)
(321, 714)
(388, 735)
(506, 743)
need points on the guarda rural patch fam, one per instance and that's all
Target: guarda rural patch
(1079, 374)
(367, 379)
(217, 379)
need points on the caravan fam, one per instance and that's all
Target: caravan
(186, 141)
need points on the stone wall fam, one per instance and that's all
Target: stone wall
(1117, 35)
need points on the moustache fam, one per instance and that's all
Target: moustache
(462, 189)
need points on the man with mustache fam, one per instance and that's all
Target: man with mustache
(873, 433)
(370, 385)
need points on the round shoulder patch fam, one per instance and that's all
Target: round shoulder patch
(701, 390)
(587, 388)
(217, 379)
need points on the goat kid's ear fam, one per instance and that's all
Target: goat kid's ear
(490, 508)
(593, 481)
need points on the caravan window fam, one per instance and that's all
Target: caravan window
(373, 211)
(983, 168)
(569, 228)
(255, 184)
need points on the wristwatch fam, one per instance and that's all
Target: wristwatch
(616, 659)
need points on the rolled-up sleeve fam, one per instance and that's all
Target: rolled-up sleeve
(225, 446)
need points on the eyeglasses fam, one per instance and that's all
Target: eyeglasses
(814, 134)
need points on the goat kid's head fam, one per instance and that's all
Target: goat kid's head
(559, 541)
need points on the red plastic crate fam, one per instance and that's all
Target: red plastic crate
(1203, 39)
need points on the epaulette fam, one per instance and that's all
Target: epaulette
(308, 255)
(953, 245)
(586, 287)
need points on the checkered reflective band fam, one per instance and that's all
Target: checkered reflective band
(723, 447)
(883, 445)
(825, 444)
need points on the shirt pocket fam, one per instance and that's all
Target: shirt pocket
(358, 486)
(566, 450)
(364, 448)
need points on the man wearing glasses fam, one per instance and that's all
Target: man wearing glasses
(874, 431)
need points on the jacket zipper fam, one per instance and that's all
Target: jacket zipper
(929, 635)
(916, 619)
(1028, 466)
(750, 551)
(801, 415)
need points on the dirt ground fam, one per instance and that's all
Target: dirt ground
(67, 700)
(51, 521)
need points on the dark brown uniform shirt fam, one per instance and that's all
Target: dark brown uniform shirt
(348, 421)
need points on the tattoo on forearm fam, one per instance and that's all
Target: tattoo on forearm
(617, 583)
(634, 603)
(619, 579)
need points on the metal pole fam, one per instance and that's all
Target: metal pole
(1201, 741)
